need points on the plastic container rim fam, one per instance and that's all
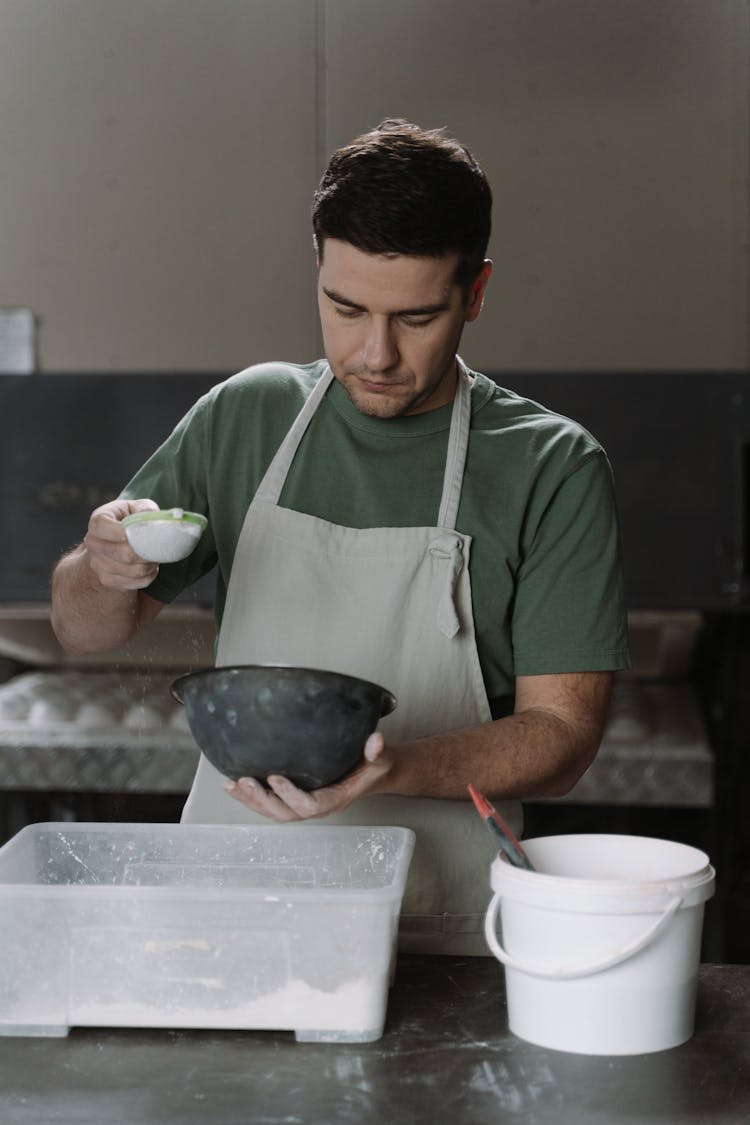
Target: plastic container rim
(392, 892)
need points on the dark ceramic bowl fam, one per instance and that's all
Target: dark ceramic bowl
(258, 719)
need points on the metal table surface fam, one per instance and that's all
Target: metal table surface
(446, 1056)
(121, 732)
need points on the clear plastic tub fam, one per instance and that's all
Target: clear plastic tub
(199, 926)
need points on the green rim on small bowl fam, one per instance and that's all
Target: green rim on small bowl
(177, 515)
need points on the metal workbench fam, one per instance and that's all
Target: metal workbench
(121, 732)
(446, 1056)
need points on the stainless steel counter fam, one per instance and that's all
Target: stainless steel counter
(446, 1056)
(121, 732)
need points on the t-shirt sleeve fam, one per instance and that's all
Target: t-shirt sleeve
(569, 612)
(175, 477)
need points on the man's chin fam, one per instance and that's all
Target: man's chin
(374, 402)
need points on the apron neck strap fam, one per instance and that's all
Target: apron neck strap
(458, 444)
(270, 487)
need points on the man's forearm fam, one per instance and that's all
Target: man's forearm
(541, 750)
(86, 616)
(529, 754)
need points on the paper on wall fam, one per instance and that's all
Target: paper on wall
(17, 341)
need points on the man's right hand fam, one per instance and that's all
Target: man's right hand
(98, 594)
(111, 558)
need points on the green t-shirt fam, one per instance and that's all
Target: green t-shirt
(537, 499)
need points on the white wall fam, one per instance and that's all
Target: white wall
(157, 165)
(157, 161)
(615, 135)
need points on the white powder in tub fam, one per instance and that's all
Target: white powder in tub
(358, 1005)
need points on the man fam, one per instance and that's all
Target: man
(388, 513)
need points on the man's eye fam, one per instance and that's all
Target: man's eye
(348, 314)
(417, 321)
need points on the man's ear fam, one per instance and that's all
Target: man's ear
(477, 291)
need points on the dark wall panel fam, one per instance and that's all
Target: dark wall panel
(679, 444)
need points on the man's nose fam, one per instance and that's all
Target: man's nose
(380, 351)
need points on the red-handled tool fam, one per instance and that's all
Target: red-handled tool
(500, 830)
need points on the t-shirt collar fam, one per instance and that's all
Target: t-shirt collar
(430, 421)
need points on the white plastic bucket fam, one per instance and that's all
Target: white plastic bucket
(601, 943)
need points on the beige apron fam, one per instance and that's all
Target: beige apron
(391, 605)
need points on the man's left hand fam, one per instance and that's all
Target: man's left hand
(283, 801)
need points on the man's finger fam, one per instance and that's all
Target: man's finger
(255, 797)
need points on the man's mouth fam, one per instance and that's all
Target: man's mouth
(377, 385)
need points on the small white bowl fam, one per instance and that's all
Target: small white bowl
(164, 536)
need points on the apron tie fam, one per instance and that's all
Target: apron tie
(449, 547)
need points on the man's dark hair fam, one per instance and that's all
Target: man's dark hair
(400, 189)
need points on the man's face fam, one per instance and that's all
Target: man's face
(391, 326)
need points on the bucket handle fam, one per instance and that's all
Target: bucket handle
(560, 973)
